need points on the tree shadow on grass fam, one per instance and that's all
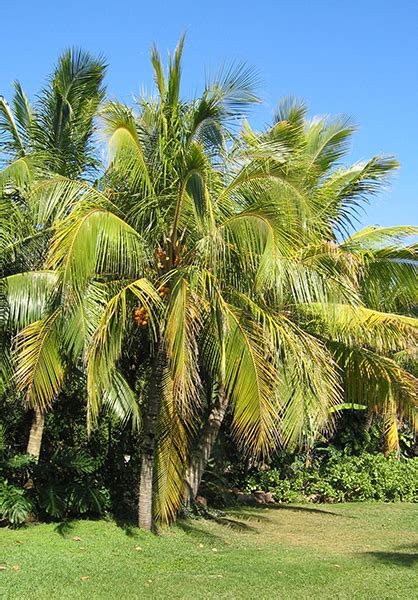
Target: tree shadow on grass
(234, 524)
(400, 559)
(127, 524)
(65, 527)
(257, 511)
(191, 528)
(309, 509)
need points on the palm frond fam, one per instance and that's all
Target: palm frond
(376, 380)
(180, 335)
(28, 296)
(40, 368)
(10, 140)
(125, 148)
(171, 457)
(106, 344)
(121, 401)
(361, 326)
(93, 241)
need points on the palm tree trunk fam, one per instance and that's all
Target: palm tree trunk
(149, 427)
(205, 446)
(35, 435)
(369, 421)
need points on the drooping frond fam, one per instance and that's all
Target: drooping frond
(171, 457)
(94, 241)
(121, 401)
(125, 147)
(308, 386)
(181, 329)
(361, 326)
(251, 383)
(18, 174)
(376, 380)
(106, 344)
(82, 318)
(40, 369)
(28, 296)
(53, 198)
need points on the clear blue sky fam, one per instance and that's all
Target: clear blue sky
(357, 57)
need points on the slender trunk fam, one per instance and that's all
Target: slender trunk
(308, 459)
(35, 435)
(201, 455)
(369, 421)
(149, 426)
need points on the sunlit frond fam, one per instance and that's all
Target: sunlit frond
(251, 381)
(18, 174)
(376, 380)
(181, 329)
(93, 241)
(171, 457)
(125, 149)
(10, 139)
(361, 326)
(106, 344)
(40, 368)
(28, 296)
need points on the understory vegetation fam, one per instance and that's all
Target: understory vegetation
(81, 476)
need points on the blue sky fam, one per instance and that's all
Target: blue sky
(357, 57)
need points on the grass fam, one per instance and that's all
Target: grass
(345, 551)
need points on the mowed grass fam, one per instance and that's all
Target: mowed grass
(348, 551)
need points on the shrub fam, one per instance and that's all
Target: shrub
(338, 477)
(67, 486)
(15, 505)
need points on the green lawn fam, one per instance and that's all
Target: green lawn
(324, 552)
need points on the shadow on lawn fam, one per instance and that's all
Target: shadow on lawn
(191, 527)
(65, 527)
(309, 509)
(400, 559)
(256, 511)
(128, 525)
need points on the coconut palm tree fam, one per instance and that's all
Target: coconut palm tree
(178, 240)
(379, 264)
(209, 260)
(52, 137)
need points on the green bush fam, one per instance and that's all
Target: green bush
(15, 505)
(338, 477)
(64, 487)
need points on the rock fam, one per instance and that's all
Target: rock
(246, 498)
(202, 501)
(269, 498)
(260, 497)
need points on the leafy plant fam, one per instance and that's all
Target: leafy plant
(339, 477)
(66, 486)
(15, 505)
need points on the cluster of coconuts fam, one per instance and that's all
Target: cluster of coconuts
(141, 316)
(163, 290)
